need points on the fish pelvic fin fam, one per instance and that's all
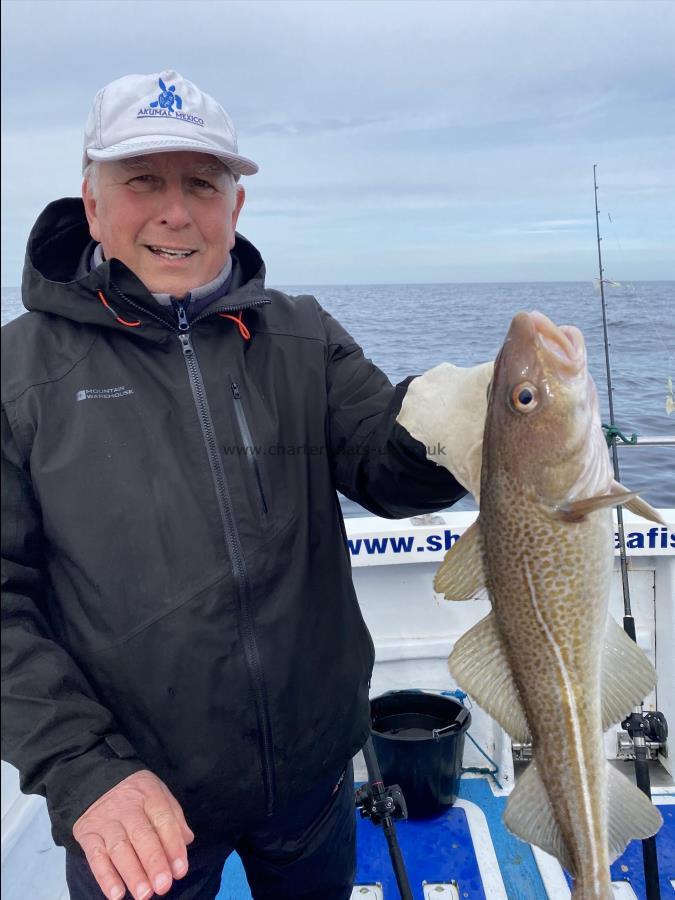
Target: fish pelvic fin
(529, 815)
(631, 814)
(627, 675)
(576, 510)
(480, 667)
(460, 576)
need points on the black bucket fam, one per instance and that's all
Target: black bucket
(419, 742)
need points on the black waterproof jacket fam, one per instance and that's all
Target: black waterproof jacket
(177, 593)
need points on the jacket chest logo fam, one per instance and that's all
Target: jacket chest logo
(112, 393)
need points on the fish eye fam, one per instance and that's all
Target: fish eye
(524, 397)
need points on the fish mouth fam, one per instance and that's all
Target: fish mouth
(563, 345)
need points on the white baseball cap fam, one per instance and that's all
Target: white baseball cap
(160, 113)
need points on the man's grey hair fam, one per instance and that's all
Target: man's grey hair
(210, 167)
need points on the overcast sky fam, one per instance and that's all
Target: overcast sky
(397, 142)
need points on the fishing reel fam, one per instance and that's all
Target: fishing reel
(656, 727)
(649, 727)
(390, 804)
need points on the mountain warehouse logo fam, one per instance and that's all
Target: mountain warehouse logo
(164, 106)
(104, 393)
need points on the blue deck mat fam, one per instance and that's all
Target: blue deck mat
(516, 860)
(519, 868)
(441, 850)
(437, 851)
(628, 867)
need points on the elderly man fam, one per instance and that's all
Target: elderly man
(184, 660)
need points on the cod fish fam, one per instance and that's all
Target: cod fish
(548, 662)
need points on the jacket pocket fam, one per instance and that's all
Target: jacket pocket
(248, 447)
(321, 823)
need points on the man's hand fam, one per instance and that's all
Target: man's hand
(135, 836)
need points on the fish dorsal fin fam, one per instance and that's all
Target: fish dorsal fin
(631, 814)
(529, 815)
(575, 510)
(460, 575)
(627, 675)
(480, 667)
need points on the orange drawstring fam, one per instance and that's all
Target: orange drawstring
(114, 314)
(243, 330)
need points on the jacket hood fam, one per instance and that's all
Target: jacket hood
(111, 294)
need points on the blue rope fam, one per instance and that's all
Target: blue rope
(474, 770)
(460, 695)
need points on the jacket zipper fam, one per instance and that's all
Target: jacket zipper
(233, 543)
(242, 585)
(183, 324)
(249, 447)
(237, 559)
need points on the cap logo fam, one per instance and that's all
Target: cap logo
(164, 106)
(168, 97)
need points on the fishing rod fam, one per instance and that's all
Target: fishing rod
(382, 805)
(635, 724)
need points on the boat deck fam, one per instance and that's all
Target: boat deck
(467, 854)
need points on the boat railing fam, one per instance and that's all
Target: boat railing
(658, 440)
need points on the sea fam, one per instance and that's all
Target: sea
(408, 328)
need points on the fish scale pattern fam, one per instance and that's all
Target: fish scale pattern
(548, 573)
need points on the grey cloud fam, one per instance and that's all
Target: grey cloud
(300, 128)
(378, 124)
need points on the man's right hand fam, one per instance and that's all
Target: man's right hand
(135, 836)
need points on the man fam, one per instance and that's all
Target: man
(185, 663)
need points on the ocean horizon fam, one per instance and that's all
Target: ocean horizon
(407, 329)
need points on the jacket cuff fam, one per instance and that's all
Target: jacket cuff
(77, 783)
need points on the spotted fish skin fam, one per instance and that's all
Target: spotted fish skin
(544, 662)
(553, 630)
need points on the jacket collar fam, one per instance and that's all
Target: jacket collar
(56, 281)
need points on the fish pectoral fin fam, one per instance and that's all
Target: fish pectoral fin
(643, 509)
(460, 576)
(635, 503)
(627, 675)
(480, 667)
(631, 814)
(529, 815)
(576, 510)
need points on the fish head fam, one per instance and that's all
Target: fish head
(543, 425)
